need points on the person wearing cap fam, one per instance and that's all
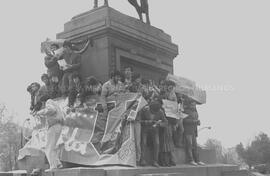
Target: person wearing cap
(73, 64)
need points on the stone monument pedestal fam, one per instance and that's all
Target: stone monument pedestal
(119, 41)
(183, 170)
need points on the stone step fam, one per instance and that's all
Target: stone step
(164, 174)
(13, 173)
(237, 173)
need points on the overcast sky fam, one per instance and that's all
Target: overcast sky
(223, 46)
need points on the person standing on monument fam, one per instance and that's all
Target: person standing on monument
(178, 129)
(191, 132)
(166, 134)
(55, 89)
(76, 89)
(45, 89)
(127, 78)
(54, 117)
(72, 64)
(136, 87)
(53, 68)
(145, 90)
(112, 87)
(152, 119)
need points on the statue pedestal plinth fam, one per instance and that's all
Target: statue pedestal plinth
(118, 41)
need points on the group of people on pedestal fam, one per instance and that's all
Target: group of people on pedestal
(62, 81)
(151, 127)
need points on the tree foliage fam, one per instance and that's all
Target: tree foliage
(217, 146)
(10, 140)
(257, 152)
(225, 156)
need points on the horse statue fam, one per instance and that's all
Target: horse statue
(144, 8)
(96, 3)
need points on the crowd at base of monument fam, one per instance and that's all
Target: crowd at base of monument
(158, 116)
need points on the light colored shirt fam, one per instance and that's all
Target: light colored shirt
(110, 88)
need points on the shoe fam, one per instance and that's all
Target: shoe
(172, 163)
(60, 166)
(143, 163)
(200, 163)
(155, 164)
(162, 164)
(193, 163)
(36, 172)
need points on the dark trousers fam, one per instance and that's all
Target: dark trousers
(67, 83)
(153, 133)
(72, 97)
(191, 148)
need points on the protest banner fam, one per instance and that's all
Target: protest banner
(92, 139)
(187, 87)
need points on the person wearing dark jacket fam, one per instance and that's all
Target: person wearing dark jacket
(135, 85)
(152, 119)
(73, 64)
(45, 89)
(191, 132)
(91, 86)
(76, 90)
(55, 89)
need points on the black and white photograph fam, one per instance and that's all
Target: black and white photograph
(134, 88)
